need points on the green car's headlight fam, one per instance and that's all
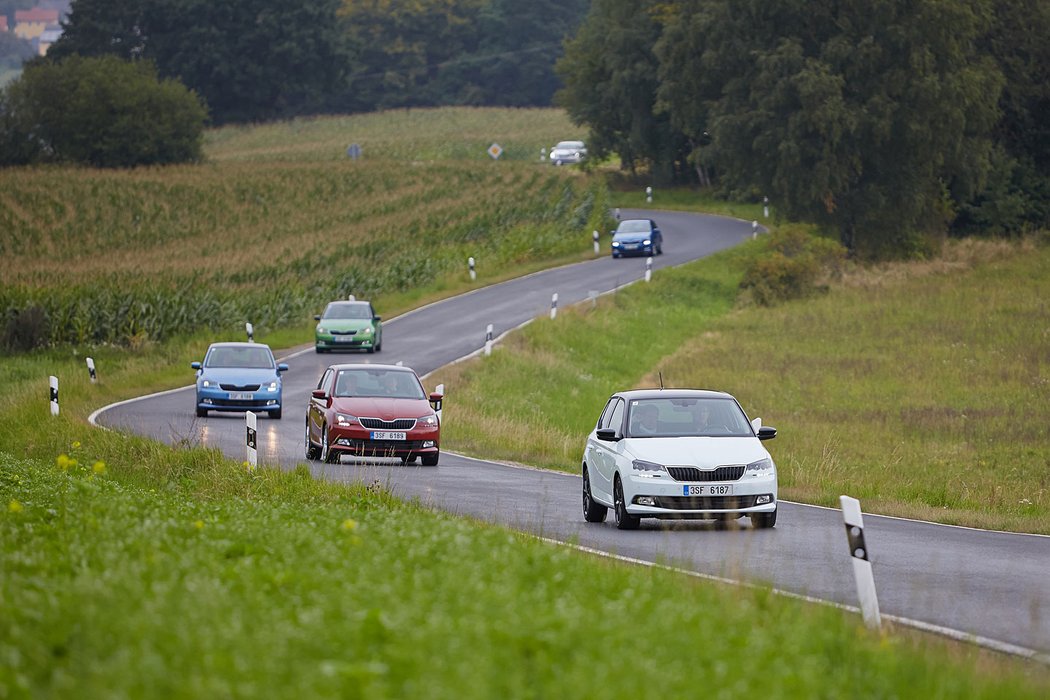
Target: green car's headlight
(367, 330)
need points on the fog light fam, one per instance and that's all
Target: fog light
(428, 443)
(206, 401)
(645, 501)
(763, 499)
(343, 441)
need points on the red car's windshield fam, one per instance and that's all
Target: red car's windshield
(378, 383)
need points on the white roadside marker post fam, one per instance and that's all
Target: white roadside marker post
(765, 207)
(593, 296)
(91, 370)
(597, 247)
(754, 229)
(648, 269)
(869, 602)
(470, 266)
(250, 331)
(53, 384)
(440, 389)
(251, 441)
(488, 340)
(554, 306)
(649, 195)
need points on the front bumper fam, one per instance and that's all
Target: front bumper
(671, 499)
(357, 441)
(344, 342)
(220, 400)
(627, 249)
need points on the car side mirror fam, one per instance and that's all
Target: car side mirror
(436, 399)
(195, 365)
(767, 432)
(317, 317)
(607, 434)
(282, 367)
(377, 318)
(318, 394)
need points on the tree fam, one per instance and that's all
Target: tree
(856, 114)
(249, 59)
(103, 112)
(610, 75)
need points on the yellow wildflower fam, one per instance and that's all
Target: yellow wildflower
(349, 525)
(99, 467)
(199, 524)
(65, 463)
(14, 506)
(76, 444)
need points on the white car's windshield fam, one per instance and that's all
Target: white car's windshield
(378, 383)
(243, 357)
(686, 417)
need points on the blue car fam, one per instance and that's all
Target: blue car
(637, 237)
(239, 377)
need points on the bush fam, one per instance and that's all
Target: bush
(102, 112)
(26, 329)
(797, 265)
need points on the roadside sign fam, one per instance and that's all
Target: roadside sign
(495, 150)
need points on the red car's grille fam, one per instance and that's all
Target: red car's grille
(693, 474)
(396, 424)
(381, 448)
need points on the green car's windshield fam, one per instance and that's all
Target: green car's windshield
(243, 357)
(378, 383)
(348, 310)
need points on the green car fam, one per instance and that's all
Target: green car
(348, 325)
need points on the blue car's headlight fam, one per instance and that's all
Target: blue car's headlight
(274, 386)
(209, 383)
(616, 244)
(647, 242)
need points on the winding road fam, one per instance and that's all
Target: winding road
(991, 587)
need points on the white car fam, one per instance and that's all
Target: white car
(568, 152)
(678, 453)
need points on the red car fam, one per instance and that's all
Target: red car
(367, 410)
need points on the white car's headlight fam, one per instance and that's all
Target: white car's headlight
(643, 466)
(345, 419)
(763, 467)
(428, 421)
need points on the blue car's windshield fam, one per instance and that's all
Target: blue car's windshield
(686, 417)
(633, 226)
(378, 383)
(347, 310)
(240, 356)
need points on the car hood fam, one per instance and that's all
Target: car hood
(240, 376)
(386, 409)
(702, 452)
(345, 324)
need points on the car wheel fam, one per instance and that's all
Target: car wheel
(371, 349)
(624, 520)
(312, 450)
(277, 414)
(327, 455)
(763, 521)
(430, 460)
(593, 512)
(202, 413)
(319, 350)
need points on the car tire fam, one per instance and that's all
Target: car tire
(276, 415)
(371, 349)
(327, 455)
(379, 345)
(319, 351)
(430, 460)
(202, 413)
(312, 450)
(593, 512)
(624, 520)
(763, 521)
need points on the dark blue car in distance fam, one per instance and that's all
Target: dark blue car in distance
(637, 237)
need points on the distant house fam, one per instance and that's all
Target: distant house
(48, 37)
(30, 24)
(3, 23)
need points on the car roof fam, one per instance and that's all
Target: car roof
(371, 365)
(634, 394)
(238, 345)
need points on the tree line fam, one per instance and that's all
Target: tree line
(887, 122)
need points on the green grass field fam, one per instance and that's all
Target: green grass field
(131, 569)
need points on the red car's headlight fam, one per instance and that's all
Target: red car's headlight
(430, 421)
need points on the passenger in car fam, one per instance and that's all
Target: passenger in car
(644, 420)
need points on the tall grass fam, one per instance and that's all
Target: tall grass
(920, 388)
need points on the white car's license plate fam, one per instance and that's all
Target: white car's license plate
(240, 396)
(708, 490)
(387, 435)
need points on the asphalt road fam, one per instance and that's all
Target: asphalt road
(991, 585)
